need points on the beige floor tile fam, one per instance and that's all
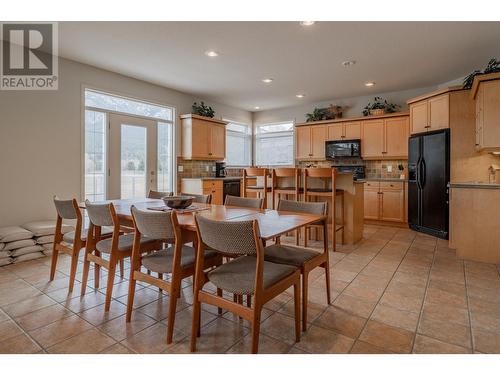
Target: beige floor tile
(355, 305)
(483, 306)
(313, 309)
(60, 330)
(89, 342)
(361, 347)
(446, 313)
(97, 316)
(158, 309)
(117, 349)
(119, 329)
(3, 316)
(486, 322)
(490, 295)
(397, 318)
(428, 345)
(184, 320)
(295, 350)
(384, 336)
(280, 327)
(364, 292)
(20, 344)
(43, 317)
(441, 297)
(9, 329)
(142, 297)
(29, 305)
(486, 342)
(63, 295)
(151, 340)
(267, 345)
(79, 304)
(319, 340)
(446, 331)
(402, 302)
(16, 291)
(341, 321)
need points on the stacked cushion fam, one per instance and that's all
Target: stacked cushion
(14, 233)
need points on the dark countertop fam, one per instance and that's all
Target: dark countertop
(229, 178)
(473, 185)
(384, 179)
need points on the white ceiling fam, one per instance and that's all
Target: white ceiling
(396, 55)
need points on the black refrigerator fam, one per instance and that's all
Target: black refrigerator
(428, 177)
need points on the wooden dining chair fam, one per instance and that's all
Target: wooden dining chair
(286, 181)
(159, 194)
(326, 188)
(248, 274)
(177, 260)
(305, 259)
(70, 243)
(200, 198)
(118, 247)
(260, 189)
(232, 200)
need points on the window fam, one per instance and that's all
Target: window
(274, 144)
(165, 157)
(95, 155)
(238, 144)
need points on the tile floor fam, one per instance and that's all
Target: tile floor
(394, 292)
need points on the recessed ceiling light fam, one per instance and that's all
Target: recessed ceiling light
(267, 80)
(307, 23)
(348, 63)
(369, 84)
(257, 107)
(211, 53)
(300, 95)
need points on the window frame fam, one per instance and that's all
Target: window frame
(248, 136)
(276, 134)
(173, 123)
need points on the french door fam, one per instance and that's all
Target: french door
(132, 156)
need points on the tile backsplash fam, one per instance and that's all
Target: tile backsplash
(373, 168)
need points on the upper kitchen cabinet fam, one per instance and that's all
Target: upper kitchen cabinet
(486, 93)
(385, 138)
(203, 138)
(344, 130)
(310, 142)
(430, 112)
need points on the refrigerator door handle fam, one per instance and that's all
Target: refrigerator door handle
(418, 174)
(422, 173)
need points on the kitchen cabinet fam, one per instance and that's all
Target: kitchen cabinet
(214, 187)
(486, 93)
(430, 113)
(344, 130)
(385, 138)
(310, 142)
(385, 201)
(203, 138)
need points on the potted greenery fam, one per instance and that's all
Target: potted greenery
(328, 113)
(202, 110)
(379, 107)
(492, 67)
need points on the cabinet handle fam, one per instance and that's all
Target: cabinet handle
(209, 153)
(427, 126)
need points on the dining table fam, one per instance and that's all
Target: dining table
(272, 223)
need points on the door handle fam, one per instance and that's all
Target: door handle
(422, 176)
(419, 184)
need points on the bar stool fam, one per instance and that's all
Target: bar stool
(325, 175)
(295, 190)
(260, 190)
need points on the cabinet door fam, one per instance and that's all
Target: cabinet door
(371, 204)
(491, 114)
(318, 138)
(201, 139)
(372, 138)
(303, 142)
(418, 117)
(439, 112)
(335, 132)
(218, 142)
(479, 117)
(396, 137)
(392, 205)
(352, 130)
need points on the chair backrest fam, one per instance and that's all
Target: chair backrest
(200, 198)
(67, 209)
(229, 237)
(319, 172)
(100, 214)
(313, 208)
(232, 200)
(255, 172)
(157, 225)
(285, 172)
(159, 194)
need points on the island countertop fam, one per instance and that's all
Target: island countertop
(473, 185)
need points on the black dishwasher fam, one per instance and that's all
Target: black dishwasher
(231, 187)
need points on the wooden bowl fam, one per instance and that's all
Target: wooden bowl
(178, 202)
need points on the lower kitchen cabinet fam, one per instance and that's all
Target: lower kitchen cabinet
(385, 201)
(215, 188)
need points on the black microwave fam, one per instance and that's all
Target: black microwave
(343, 149)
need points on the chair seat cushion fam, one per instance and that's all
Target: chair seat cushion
(324, 190)
(291, 255)
(288, 188)
(70, 236)
(162, 261)
(238, 275)
(254, 187)
(125, 243)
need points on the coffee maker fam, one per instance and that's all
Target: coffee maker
(220, 169)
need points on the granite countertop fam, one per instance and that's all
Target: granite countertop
(473, 185)
(228, 178)
(383, 179)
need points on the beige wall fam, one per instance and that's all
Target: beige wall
(41, 137)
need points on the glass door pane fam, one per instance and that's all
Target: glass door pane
(133, 161)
